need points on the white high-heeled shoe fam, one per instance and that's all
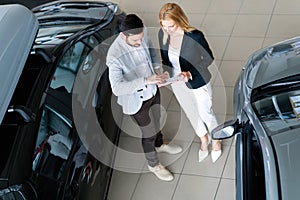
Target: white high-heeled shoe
(202, 155)
(215, 155)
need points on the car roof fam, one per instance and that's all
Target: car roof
(18, 27)
(273, 63)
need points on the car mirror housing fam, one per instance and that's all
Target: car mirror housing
(225, 130)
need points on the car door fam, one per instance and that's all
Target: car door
(61, 158)
(249, 166)
(52, 158)
(95, 108)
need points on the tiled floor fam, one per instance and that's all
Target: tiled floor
(234, 29)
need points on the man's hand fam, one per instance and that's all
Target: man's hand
(158, 71)
(154, 79)
(165, 75)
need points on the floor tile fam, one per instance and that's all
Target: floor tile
(229, 72)
(177, 127)
(151, 19)
(222, 97)
(193, 6)
(240, 48)
(130, 156)
(206, 167)
(226, 190)
(229, 171)
(130, 6)
(130, 128)
(270, 41)
(218, 45)
(257, 7)
(176, 161)
(150, 187)
(251, 25)
(196, 19)
(166, 95)
(219, 25)
(287, 7)
(124, 184)
(174, 105)
(228, 6)
(196, 187)
(284, 26)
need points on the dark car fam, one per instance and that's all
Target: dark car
(267, 124)
(50, 108)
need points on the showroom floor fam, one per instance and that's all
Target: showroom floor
(234, 29)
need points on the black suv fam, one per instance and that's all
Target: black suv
(46, 131)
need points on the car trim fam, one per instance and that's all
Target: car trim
(268, 156)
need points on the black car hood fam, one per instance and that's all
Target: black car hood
(61, 19)
(18, 27)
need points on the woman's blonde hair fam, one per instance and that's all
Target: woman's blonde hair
(172, 11)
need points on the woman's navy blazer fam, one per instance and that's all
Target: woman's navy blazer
(195, 56)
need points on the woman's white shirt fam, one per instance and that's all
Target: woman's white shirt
(174, 59)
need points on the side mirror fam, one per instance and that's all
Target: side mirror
(225, 130)
(26, 114)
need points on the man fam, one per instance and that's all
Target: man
(134, 71)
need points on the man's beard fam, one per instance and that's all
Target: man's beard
(132, 45)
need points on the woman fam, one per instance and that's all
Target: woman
(186, 51)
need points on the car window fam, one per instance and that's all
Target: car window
(69, 64)
(279, 112)
(53, 143)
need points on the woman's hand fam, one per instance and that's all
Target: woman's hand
(187, 76)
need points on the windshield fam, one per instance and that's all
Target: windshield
(278, 108)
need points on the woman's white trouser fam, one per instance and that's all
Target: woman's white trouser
(197, 105)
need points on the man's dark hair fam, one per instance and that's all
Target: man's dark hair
(131, 24)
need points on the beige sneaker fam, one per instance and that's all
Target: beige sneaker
(161, 172)
(169, 148)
